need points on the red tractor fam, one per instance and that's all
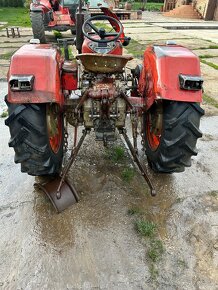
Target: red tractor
(96, 90)
(48, 15)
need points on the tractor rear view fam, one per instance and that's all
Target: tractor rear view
(97, 91)
(48, 15)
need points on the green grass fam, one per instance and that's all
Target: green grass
(57, 34)
(210, 101)
(128, 174)
(135, 48)
(156, 250)
(116, 153)
(15, 16)
(134, 211)
(146, 228)
(7, 55)
(148, 6)
(153, 271)
(206, 56)
(213, 193)
(211, 64)
(104, 25)
(4, 114)
(182, 263)
(208, 47)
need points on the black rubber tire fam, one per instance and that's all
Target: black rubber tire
(180, 131)
(38, 26)
(30, 140)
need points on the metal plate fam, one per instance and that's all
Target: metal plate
(68, 197)
(103, 63)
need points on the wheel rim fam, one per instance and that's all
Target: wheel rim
(153, 126)
(54, 125)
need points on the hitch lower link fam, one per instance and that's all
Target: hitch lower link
(134, 153)
(60, 192)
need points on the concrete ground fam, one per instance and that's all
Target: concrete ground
(94, 244)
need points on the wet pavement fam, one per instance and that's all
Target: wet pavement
(94, 244)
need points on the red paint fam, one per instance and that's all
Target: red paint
(161, 67)
(117, 50)
(55, 141)
(61, 17)
(153, 140)
(44, 62)
(114, 24)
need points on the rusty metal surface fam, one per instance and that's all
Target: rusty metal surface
(103, 63)
(68, 197)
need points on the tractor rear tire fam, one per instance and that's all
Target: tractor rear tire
(170, 133)
(38, 26)
(39, 151)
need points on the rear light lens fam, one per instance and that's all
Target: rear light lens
(21, 83)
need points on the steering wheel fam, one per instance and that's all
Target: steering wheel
(101, 31)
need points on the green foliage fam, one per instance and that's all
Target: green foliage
(145, 228)
(134, 210)
(11, 3)
(207, 56)
(15, 17)
(153, 271)
(208, 100)
(152, 6)
(7, 55)
(4, 114)
(211, 64)
(57, 34)
(213, 193)
(156, 250)
(116, 153)
(136, 48)
(128, 174)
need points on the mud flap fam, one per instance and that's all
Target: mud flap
(62, 199)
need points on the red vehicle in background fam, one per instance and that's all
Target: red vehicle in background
(48, 15)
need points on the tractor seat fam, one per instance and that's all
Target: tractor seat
(103, 63)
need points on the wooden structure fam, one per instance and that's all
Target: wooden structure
(207, 9)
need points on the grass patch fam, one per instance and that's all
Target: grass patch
(207, 56)
(4, 114)
(57, 34)
(208, 47)
(15, 16)
(106, 26)
(116, 153)
(213, 65)
(146, 228)
(208, 100)
(128, 174)
(213, 193)
(148, 6)
(156, 250)
(153, 271)
(134, 211)
(182, 263)
(7, 55)
(213, 47)
(135, 48)
(71, 56)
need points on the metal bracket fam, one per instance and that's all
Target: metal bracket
(137, 161)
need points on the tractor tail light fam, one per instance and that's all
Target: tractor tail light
(21, 83)
(190, 83)
(69, 75)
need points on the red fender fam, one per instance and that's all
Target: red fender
(159, 78)
(42, 62)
